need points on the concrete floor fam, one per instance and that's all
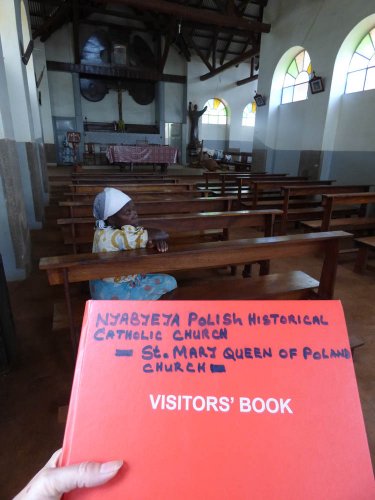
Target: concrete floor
(39, 381)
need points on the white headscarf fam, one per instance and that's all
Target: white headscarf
(108, 203)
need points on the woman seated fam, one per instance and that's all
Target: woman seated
(117, 229)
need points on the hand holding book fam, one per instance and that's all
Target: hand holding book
(51, 482)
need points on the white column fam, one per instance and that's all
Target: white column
(11, 34)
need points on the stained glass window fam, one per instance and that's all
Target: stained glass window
(216, 113)
(361, 72)
(248, 115)
(296, 81)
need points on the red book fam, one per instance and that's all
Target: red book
(219, 400)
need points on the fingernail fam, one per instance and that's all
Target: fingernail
(109, 467)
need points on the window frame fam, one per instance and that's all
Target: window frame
(209, 118)
(295, 88)
(250, 108)
(366, 70)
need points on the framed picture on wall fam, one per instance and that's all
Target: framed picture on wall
(259, 99)
(316, 84)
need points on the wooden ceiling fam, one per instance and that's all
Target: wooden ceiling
(222, 33)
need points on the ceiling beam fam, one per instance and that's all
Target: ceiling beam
(60, 16)
(247, 80)
(229, 64)
(183, 46)
(75, 16)
(262, 3)
(252, 76)
(198, 15)
(111, 72)
(164, 55)
(199, 52)
(241, 10)
(220, 5)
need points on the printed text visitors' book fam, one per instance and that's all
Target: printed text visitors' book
(235, 400)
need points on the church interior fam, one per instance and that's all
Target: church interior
(201, 100)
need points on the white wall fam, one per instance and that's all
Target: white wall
(61, 93)
(174, 101)
(15, 71)
(320, 28)
(356, 130)
(45, 106)
(105, 110)
(59, 46)
(6, 123)
(224, 87)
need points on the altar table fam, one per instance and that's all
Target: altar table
(150, 153)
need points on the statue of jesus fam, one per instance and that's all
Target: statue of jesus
(194, 116)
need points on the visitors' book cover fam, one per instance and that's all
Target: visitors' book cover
(221, 400)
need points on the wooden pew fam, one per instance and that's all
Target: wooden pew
(228, 183)
(117, 178)
(113, 181)
(80, 231)
(244, 183)
(291, 193)
(100, 174)
(359, 223)
(165, 206)
(364, 246)
(144, 195)
(130, 188)
(265, 186)
(229, 176)
(68, 269)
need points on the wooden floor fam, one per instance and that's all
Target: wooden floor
(39, 382)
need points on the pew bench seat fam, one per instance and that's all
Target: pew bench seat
(342, 224)
(291, 285)
(288, 285)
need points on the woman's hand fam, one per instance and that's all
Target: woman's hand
(157, 239)
(161, 245)
(51, 482)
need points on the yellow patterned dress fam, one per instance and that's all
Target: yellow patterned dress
(133, 286)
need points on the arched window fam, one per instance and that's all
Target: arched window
(296, 81)
(361, 72)
(248, 115)
(216, 113)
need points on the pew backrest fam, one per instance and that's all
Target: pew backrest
(164, 206)
(153, 187)
(259, 186)
(69, 269)
(312, 191)
(342, 199)
(80, 231)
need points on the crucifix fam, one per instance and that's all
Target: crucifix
(121, 124)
